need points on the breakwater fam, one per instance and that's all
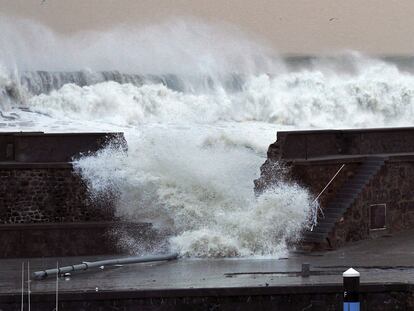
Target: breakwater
(368, 174)
(45, 205)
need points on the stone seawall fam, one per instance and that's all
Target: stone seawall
(47, 193)
(44, 204)
(312, 158)
(39, 147)
(378, 297)
(69, 238)
(330, 143)
(392, 186)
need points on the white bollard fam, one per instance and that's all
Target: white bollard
(351, 290)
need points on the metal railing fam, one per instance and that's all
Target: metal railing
(327, 185)
(319, 195)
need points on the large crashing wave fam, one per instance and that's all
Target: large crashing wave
(201, 196)
(198, 106)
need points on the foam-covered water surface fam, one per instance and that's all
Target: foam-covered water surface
(199, 104)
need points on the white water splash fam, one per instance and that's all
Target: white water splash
(379, 95)
(202, 194)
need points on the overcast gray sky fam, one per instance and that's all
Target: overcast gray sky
(290, 26)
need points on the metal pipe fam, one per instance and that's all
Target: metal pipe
(110, 262)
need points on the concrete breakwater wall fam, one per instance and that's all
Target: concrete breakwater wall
(38, 147)
(47, 192)
(39, 187)
(316, 297)
(372, 194)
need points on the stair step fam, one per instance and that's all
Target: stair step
(355, 181)
(314, 235)
(364, 174)
(346, 196)
(377, 160)
(360, 182)
(374, 162)
(337, 205)
(323, 224)
(367, 172)
(312, 240)
(368, 168)
(335, 210)
(332, 218)
(322, 230)
(345, 202)
(351, 185)
(354, 192)
(361, 177)
(355, 185)
(347, 189)
(334, 215)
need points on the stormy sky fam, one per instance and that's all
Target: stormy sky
(302, 27)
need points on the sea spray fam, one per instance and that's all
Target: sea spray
(203, 196)
(260, 229)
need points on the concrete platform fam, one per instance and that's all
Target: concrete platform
(386, 265)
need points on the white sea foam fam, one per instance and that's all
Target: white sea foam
(194, 152)
(379, 95)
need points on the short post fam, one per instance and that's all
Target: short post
(305, 273)
(351, 290)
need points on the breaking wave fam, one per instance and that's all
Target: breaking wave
(198, 118)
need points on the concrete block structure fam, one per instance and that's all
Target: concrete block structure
(368, 175)
(44, 205)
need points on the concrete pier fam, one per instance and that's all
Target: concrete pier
(386, 267)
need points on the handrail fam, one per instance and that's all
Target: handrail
(315, 215)
(327, 185)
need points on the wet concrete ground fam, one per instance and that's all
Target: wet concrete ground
(385, 260)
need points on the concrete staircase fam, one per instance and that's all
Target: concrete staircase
(344, 199)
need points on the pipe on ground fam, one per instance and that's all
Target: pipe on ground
(110, 262)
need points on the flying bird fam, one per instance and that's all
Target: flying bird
(331, 19)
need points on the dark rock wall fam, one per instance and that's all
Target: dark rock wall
(393, 186)
(68, 239)
(45, 207)
(53, 193)
(316, 176)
